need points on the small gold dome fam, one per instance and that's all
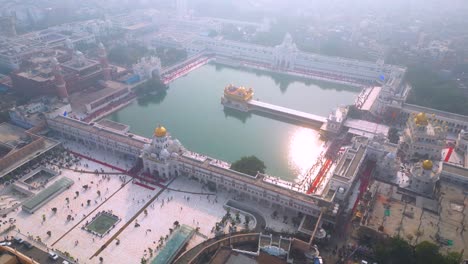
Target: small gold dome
(160, 131)
(427, 165)
(421, 119)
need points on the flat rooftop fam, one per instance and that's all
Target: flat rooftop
(115, 136)
(415, 223)
(113, 125)
(80, 99)
(12, 136)
(365, 128)
(78, 65)
(454, 169)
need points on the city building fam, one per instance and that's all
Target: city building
(20, 147)
(348, 168)
(14, 50)
(35, 113)
(70, 72)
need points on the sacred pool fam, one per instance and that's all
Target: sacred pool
(192, 112)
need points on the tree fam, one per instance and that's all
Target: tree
(250, 165)
(432, 90)
(176, 223)
(54, 210)
(151, 86)
(247, 221)
(145, 212)
(427, 253)
(98, 193)
(394, 250)
(88, 202)
(49, 233)
(452, 258)
(238, 220)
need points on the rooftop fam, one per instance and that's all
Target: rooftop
(114, 125)
(118, 137)
(17, 138)
(412, 221)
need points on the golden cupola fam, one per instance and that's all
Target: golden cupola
(427, 165)
(160, 131)
(421, 119)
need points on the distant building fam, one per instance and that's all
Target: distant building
(50, 76)
(147, 67)
(8, 26)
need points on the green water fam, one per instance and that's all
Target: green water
(191, 111)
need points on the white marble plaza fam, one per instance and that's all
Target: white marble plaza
(185, 201)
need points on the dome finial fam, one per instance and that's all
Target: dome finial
(160, 131)
(421, 119)
(427, 165)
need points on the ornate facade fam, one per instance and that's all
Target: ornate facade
(424, 176)
(160, 156)
(423, 138)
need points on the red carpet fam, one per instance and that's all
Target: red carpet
(449, 153)
(323, 171)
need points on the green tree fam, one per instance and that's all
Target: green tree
(394, 250)
(452, 258)
(432, 90)
(250, 165)
(151, 86)
(428, 253)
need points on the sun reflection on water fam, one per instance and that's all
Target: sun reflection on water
(304, 147)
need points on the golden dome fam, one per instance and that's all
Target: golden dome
(421, 119)
(427, 165)
(160, 131)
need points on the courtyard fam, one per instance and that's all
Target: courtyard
(147, 217)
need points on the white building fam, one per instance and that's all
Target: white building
(287, 57)
(160, 157)
(348, 168)
(423, 138)
(424, 176)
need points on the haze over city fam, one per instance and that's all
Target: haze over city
(202, 131)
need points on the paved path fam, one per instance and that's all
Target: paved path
(79, 222)
(131, 220)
